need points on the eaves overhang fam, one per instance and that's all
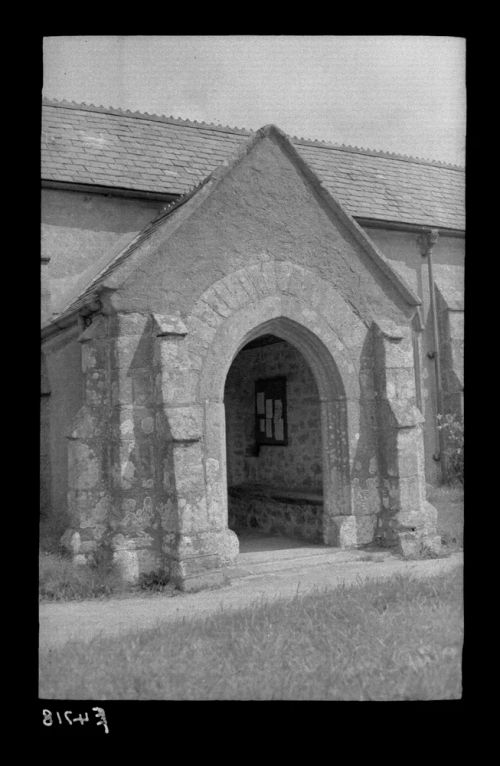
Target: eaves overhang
(109, 191)
(412, 228)
(61, 322)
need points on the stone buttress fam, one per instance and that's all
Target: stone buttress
(261, 247)
(406, 519)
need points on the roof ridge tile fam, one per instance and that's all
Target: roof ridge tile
(248, 132)
(144, 115)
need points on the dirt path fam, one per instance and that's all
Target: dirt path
(254, 579)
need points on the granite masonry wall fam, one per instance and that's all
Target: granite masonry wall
(256, 251)
(295, 466)
(276, 513)
(62, 396)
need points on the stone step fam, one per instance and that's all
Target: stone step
(250, 564)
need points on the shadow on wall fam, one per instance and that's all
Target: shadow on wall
(145, 495)
(44, 440)
(366, 468)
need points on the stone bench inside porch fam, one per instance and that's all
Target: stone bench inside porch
(276, 510)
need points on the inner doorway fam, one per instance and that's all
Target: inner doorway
(274, 446)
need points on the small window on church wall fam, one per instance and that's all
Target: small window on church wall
(270, 412)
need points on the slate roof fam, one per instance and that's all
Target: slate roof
(86, 144)
(178, 211)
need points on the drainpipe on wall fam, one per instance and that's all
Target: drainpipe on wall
(426, 241)
(45, 292)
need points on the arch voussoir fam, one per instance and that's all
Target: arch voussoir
(293, 303)
(268, 298)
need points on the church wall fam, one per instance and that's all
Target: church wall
(80, 229)
(448, 257)
(147, 463)
(64, 373)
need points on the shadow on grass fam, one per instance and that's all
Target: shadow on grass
(399, 639)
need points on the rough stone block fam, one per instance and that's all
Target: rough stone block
(127, 563)
(283, 272)
(178, 387)
(193, 512)
(412, 494)
(173, 355)
(132, 351)
(297, 281)
(207, 314)
(390, 330)
(187, 461)
(365, 499)
(201, 550)
(217, 304)
(400, 383)
(430, 517)
(204, 332)
(232, 291)
(404, 413)
(352, 531)
(192, 583)
(365, 529)
(228, 547)
(130, 324)
(259, 281)
(409, 544)
(169, 324)
(184, 422)
(408, 460)
(398, 354)
(269, 274)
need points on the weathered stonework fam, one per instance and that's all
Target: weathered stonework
(276, 513)
(406, 520)
(451, 331)
(299, 463)
(261, 251)
(89, 497)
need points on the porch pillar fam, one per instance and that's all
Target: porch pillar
(89, 499)
(197, 541)
(135, 534)
(407, 520)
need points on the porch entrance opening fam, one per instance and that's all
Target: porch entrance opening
(274, 447)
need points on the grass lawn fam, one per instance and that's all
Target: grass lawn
(60, 580)
(389, 640)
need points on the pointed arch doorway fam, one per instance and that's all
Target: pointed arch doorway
(286, 421)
